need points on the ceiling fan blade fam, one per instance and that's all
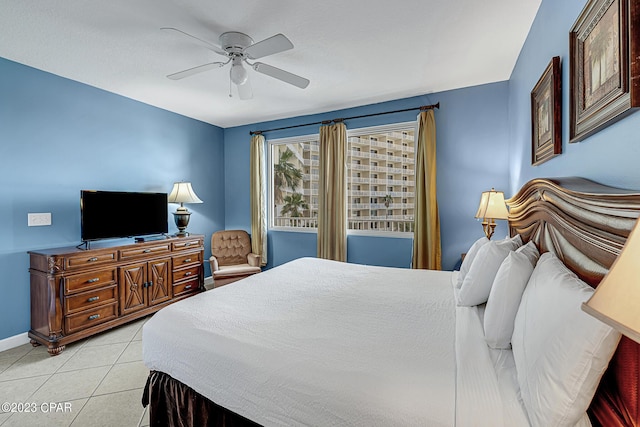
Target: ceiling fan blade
(274, 44)
(279, 74)
(195, 70)
(245, 91)
(199, 41)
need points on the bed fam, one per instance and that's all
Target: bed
(316, 342)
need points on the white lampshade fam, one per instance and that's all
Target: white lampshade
(492, 205)
(183, 193)
(616, 300)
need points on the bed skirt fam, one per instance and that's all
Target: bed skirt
(174, 404)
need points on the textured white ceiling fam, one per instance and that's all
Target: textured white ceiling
(354, 52)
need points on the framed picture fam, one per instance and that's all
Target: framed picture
(546, 114)
(604, 82)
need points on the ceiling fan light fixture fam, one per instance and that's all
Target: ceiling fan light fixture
(238, 73)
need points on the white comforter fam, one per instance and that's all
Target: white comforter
(316, 342)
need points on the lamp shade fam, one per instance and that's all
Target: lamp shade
(492, 205)
(183, 193)
(616, 300)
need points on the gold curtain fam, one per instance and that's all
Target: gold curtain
(427, 252)
(332, 193)
(258, 199)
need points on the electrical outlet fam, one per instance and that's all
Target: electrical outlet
(38, 219)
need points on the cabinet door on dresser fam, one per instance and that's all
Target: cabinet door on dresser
(144, 284)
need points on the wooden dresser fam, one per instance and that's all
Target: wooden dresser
(77, 293)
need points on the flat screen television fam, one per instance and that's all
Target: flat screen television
(115, 214)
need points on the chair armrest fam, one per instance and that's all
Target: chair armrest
(254, 260)
(213, 261)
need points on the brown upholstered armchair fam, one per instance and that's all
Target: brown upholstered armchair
(231, 258)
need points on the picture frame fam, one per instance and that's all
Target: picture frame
(604, 84)
(546, 114)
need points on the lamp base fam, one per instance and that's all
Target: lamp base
(488, 227)
(181, 218)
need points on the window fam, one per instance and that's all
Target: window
(294, 182)
(379, 219)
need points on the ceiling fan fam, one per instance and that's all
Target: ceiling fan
(239, 48)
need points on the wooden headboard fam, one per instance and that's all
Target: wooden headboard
(586, 224)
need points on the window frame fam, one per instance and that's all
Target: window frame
(270, 211)
(399, 127)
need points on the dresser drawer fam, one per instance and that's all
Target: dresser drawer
(186, 273)
(186, 287)
(132, 253)
(88, 318)
(186, 244)
(86, 281)
(89, 260)
(187, 259)
(91, 299)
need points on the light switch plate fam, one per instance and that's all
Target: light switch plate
(38, 219)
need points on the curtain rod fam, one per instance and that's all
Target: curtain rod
(326, 122)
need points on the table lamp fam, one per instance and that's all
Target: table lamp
(182, 193)
(492, 207)
(616, 300)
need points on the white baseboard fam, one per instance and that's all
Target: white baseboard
(14, 341)
(208, 282)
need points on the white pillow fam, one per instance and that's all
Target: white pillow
(477, 283)
(517, 240)
(504, 299)
(531, 252)
(468, 259)
(560, 351)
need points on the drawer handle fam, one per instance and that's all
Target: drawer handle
(94, 280)
(94, 317)
(187, 260)
(188, 273)
(187, 287)
(146, 251)
(92, 259)
(92, 299)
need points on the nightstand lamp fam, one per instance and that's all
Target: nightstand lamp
(617, 297)
(182, 193)
(492, 207)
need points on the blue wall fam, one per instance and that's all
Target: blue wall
(472, 146)
(609, 156)
(57, 137)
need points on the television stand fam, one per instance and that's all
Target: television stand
(77, 293)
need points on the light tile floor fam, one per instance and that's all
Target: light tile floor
(93, 382)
